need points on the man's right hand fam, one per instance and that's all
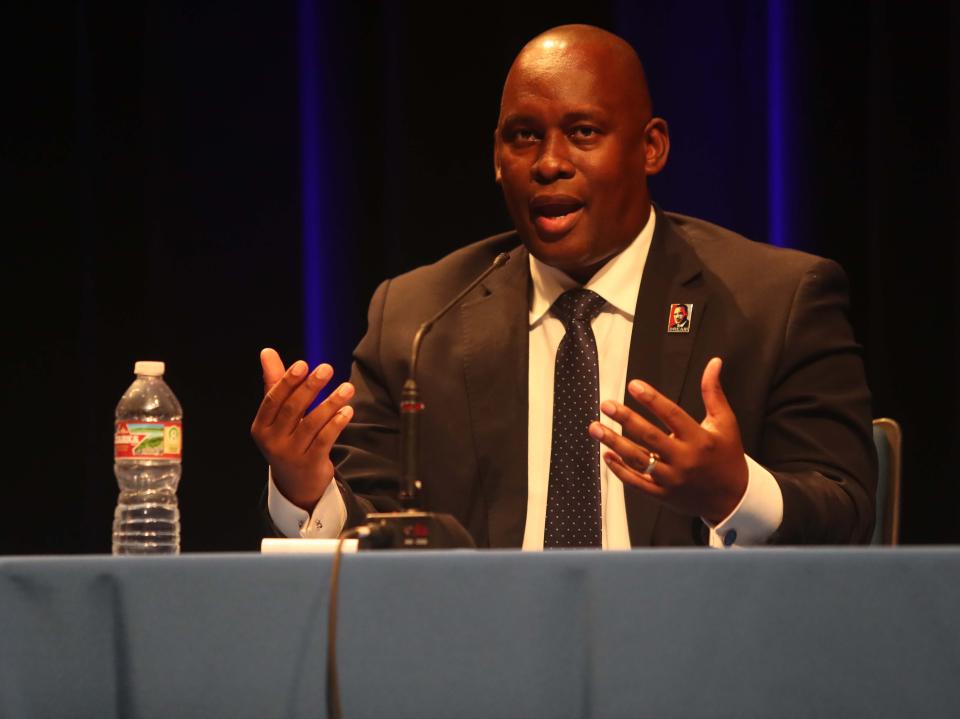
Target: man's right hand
(297, 447)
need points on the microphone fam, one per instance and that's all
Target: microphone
(412, 528)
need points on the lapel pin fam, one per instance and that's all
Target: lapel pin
(678, 318)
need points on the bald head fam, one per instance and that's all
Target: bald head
(572, 48)
(575, 142)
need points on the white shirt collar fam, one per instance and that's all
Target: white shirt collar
(618, 281)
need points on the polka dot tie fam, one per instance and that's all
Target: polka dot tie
(573, 498)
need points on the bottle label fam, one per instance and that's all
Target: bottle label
(152, 440)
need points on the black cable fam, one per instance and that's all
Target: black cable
(333, 682)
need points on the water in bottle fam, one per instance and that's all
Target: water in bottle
(147, 442)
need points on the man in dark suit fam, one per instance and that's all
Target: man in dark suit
(780, 452)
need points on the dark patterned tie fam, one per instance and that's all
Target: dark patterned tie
(573, 498)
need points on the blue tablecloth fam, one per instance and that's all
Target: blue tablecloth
(660, 633)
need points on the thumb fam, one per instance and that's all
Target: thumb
(714, 399)
(273, 369)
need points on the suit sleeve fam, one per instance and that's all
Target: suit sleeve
(817, 438)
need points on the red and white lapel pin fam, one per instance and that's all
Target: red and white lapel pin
(679, 318)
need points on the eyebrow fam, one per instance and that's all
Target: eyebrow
(517, 119)
(594, 114)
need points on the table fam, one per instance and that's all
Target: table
(661, 633)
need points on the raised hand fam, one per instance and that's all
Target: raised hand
(297, 446)
(696, 469)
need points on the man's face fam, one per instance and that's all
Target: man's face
(570, 154)
(679, 315)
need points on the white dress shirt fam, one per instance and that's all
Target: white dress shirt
(755, 518)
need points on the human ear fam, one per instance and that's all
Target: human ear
(496, 156)
(657, 139)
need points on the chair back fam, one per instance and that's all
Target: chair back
(887, 438)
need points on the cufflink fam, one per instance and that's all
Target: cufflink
(729, 538)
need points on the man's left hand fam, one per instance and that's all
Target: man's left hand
(700, 469)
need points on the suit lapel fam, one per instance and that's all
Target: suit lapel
(495, 331)
(672, 275)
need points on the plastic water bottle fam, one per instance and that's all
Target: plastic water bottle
(146, 449)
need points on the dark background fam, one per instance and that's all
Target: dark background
(153, 157)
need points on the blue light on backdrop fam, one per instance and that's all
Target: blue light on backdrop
(315, 328)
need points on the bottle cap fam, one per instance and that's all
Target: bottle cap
(150, 369)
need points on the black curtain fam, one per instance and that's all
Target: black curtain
(154, 155)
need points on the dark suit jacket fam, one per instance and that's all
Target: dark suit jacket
(792, 373)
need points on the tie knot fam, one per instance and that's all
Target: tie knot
(577, 306)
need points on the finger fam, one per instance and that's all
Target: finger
(323, 442)
(291, 411)
(644, 482)
(678, 421)
(714, 399)
(277, 395)
(321, 415)
(639, 430)
(272, 368)
(628, 452)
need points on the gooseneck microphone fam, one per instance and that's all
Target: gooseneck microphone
(410, 404)
(412, 528)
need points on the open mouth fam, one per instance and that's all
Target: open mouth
(555, 215)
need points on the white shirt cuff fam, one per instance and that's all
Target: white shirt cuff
(325, 522)
(756, 517)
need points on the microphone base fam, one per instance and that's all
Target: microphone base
(415, 530)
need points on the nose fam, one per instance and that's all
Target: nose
(553, 163)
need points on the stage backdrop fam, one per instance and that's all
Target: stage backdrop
(194, 183)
